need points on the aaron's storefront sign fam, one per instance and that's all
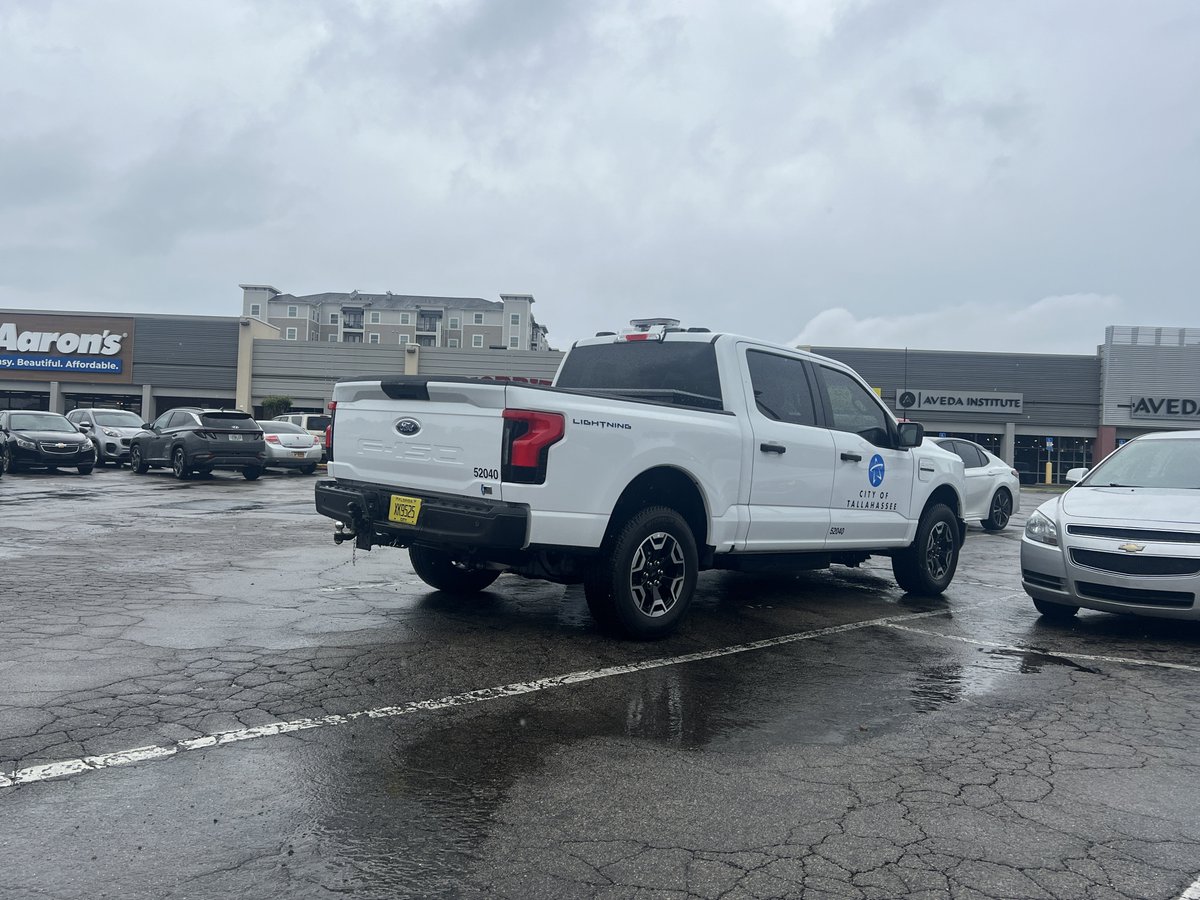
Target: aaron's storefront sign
(66, 348)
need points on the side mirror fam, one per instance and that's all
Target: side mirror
(85, 426)
(1077, 475)
(911, 434)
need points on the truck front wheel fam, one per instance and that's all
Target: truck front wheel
(441, 571)
(643, 581)
(926, 566)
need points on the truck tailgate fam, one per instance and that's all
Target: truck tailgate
(418, 434)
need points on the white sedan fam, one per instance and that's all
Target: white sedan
(1125, 538)
(993, 486)
(290, 447)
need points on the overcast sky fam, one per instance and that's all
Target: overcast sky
(970, 175)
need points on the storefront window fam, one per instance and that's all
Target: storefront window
(1063, 454)
(25, 400)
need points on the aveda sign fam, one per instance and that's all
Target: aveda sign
(66, 348)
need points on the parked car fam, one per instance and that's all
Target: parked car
(1125, 538)
(993, 486)
(43, 439)
(111, 430)
(290, 447)
(314, 423)
(189, 439)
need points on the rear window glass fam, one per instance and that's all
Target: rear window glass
(318, 423)
(680, 372)
(281, 428)
(227, 420)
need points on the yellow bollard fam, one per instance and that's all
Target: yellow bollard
(1049, 473)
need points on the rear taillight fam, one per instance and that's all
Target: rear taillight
(528, 436)
(272, 439)
(329, 430)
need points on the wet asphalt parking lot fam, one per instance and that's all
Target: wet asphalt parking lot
(201, 696)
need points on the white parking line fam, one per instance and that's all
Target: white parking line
(1192, 893)
(85, 764)
(1066, 654)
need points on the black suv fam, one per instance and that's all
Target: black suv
(190, 440)
(33, 438)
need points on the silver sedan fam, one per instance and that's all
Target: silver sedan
(290, 447)
(1125, 538)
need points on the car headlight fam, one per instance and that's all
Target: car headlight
(112, 433)
(1039, 527)
(26, 445)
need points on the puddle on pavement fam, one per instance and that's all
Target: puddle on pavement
(940, 686)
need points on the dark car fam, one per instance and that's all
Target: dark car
(44, 439)
(190, 440)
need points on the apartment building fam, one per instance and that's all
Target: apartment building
(393, 319)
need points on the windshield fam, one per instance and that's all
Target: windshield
(118, 419)
(1169, 463)
(34, 422)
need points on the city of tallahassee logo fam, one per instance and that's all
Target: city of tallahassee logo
(1132, 548)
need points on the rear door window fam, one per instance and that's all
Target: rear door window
(317, 423)
(781, 390)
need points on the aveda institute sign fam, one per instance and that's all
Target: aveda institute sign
(1164, 408)
(66, 348)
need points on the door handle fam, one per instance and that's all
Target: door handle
(772, 448)
(851, 457)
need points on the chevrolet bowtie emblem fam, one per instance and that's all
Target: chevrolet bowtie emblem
(1132, 548)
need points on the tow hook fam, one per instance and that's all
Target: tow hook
(340, 533)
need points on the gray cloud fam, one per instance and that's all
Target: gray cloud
(743, 168)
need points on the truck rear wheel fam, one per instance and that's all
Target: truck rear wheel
(926, 566)
(643, 581)
(441, 571)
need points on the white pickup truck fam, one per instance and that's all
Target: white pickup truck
(657, 453)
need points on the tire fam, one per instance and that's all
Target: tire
(10, 464)
(439, 570)
(926, 566)
(642, 583)
(179, 464)
(1057, 612)
(251, 473)
(85, 470)
(137, 465)
(999, 511)
(309, 470)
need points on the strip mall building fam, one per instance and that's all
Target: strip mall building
(1031, 409)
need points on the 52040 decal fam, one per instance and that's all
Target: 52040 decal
(489, 474)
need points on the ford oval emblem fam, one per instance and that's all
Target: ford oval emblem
(408, 427)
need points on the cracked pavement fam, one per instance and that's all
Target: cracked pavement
(878, 762)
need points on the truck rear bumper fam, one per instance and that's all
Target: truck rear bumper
(444, 520)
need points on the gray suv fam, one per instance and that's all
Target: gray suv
(189, 439)
(111, 430)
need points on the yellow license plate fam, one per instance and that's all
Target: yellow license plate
(404, 510)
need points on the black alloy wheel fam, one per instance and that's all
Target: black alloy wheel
(642, 583)
(1000, 511)
(926, 566)
(179, 464)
